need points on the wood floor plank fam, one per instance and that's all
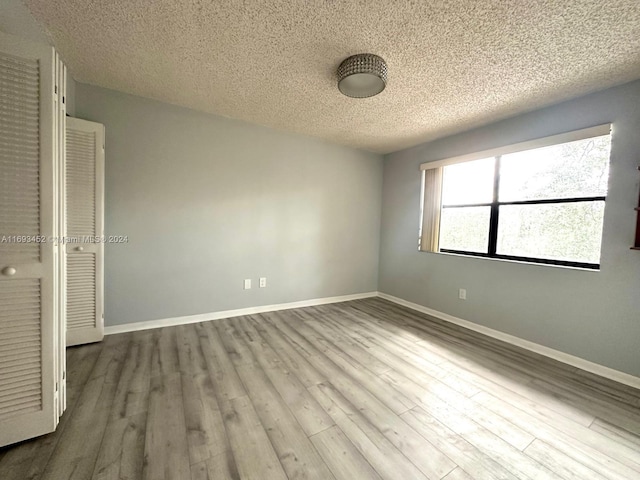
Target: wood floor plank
(236, 349)
(305, 408)
(524, 361)
(79, 369)
(502, 452)
(252, 449)
(309, 414)
(28, 460)
(482, 367)
(406, 439)
(372, 337)
(425, 456)
(259, 347)
(616, 434)
(132, 392)
(489, 376)
(341, 344)
(373, 332)
(392, 398)
(334, 362)
(607, 388)
(622, 453)
(563, 466)
(452, 403)
(305, 346)
(122, 450)
(293, 359)
(200, 471)
(458, 474)
(227, 384)
(393, 354)
(385, 458)
(486, 369)
(359, 389)
(166, 454)
(76, 452)
(221, 467)
(342, 456)
(621, 415)
(499, 369)
(417, 366)
(559, 439)
(190, 355)
(480, 465)
(17, 460)
(206, 435)
(528, 363)
(110, 365)
(457, 336)
(164, 359)
(295, 452)
(373, 328)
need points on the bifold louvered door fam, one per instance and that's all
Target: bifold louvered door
(60, 282)
(84, 207)
(28, 348)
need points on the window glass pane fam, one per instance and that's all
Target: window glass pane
(567, 170)
(469, 182)
(564, 231)
(465, 228)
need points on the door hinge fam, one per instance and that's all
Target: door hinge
(56, 386)
(55, 89)
(64, 375)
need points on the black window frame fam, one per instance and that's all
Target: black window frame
(494, 218)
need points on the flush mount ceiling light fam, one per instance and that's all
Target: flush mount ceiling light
(363, 75)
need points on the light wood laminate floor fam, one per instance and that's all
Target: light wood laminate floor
(357, 390)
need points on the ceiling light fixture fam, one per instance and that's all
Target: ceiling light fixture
(363, 75)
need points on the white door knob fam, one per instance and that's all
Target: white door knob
(9, 271)
(79, 249)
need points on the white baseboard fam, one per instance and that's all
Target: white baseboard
(578, 362)
(204, 317)
(572, 360)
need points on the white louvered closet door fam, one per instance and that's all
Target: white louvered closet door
(59, 283)
(28, 346)
(84, 213)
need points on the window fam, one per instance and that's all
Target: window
(540, 201)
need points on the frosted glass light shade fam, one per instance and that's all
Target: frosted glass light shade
(363, 75)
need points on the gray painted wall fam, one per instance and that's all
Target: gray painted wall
(591, 314)
(70, 95)
(207, 202)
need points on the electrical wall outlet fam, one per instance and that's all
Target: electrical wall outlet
(247, 284)
(462, 294)
(263, 282)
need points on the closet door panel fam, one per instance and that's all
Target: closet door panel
(60, 282)
(27, 342)
(84, 169)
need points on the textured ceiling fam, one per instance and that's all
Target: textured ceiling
(453, 64)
